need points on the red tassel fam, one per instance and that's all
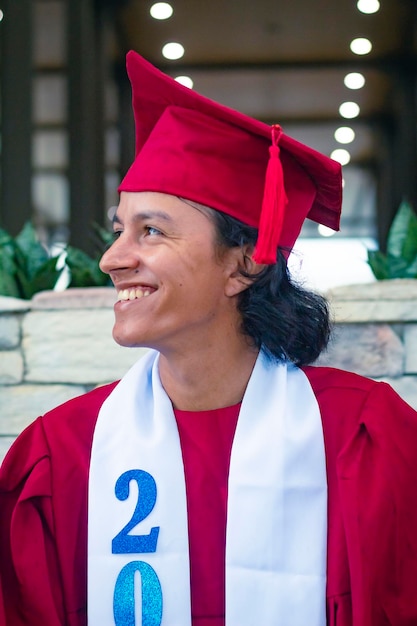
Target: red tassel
(273, 205)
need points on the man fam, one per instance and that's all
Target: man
(223, 480)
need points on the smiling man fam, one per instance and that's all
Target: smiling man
(223, 481)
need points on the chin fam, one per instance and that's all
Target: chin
(126, 339)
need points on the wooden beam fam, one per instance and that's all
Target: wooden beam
(85, 123)
(16, 107)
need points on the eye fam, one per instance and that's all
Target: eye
(152, 231)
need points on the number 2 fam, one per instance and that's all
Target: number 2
(123, 543)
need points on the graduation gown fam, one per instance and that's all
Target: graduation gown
(370, 438)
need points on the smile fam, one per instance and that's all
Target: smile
(132, 294)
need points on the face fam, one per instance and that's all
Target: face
(175, 291)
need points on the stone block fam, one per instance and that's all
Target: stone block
(11, 367)
(9, 331)
(410, 344)
(21, 404)
(74, 346)
(381, 301)
(12, 305)
(372, 350)
(75, 298)
(5, 443)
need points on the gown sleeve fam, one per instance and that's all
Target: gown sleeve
(378, 485)
(370, 438)
(30, 582)
(43, 517)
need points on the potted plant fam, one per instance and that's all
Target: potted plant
(400, 260)
(26, 266)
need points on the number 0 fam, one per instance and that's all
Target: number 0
(124, 596)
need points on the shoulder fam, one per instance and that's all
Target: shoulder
(340, 389)
(335, 385)
(325, 379)
(79, 408)
(349, 402)
(70, 426)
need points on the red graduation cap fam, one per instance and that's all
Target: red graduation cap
(195, 148)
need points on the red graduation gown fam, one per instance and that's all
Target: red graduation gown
(370, 439)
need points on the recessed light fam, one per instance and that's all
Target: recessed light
(354, 80)
(361, 45)
(340, 155)
(173, 50)
(161, 10)
(344, 134)
(349, 110)
(368, 6)
(187, 81)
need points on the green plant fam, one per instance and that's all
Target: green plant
(400, 261)
(26, 267)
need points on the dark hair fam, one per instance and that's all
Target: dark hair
(285, 319)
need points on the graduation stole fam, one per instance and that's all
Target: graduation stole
(138, 560)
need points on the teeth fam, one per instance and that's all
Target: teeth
(132, 294)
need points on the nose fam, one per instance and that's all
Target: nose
(118, 257)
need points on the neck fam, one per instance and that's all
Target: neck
(212, 379)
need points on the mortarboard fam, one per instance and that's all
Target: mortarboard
(190, 146)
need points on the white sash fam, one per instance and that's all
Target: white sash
(277, 506)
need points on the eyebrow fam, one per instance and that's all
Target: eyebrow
(143, 216)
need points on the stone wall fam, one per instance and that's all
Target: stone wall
(59, 345)
(375, 333)
(53, 348)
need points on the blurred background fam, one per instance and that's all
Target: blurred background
(339, 76)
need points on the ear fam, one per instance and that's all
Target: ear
(242, 268)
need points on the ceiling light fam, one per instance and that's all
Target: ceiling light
(325, 231)
(161, 10)
(368, 6)
(173, 51)
(349, 110)
(340, 155)
(354, 80)
(344, 134)
(361, 45)
(1, 15)
(185, 80)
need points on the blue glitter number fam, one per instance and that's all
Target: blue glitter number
(124, 596)
(123, 543)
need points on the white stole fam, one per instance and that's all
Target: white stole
(277, 506)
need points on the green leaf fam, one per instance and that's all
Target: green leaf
(105, 237)
(401, 258)
(8, 283)
(397, 266)
(378, 263)
(5, 238)
(411, 271)
(33, 253)
(85, 271)
(399, 230)
(45, 277)
(409, 249)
